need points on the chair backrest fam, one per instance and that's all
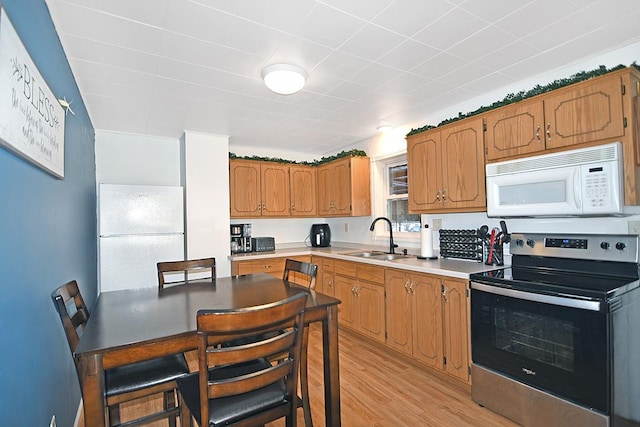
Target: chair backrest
(73, 311)
(308, 270)
(275, 331)
(204, 265)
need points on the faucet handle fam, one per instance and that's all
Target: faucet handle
(404, 251)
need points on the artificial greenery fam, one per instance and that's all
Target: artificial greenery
(340, 155)
(536, 90)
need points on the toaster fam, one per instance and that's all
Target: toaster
(263, 244)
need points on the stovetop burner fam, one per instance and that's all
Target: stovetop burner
(582, 266)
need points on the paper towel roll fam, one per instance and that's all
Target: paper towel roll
(426, 242)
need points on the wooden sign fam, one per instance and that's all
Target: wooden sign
(31, 119)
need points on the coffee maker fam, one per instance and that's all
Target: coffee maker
(240, 238)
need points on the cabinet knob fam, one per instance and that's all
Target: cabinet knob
(293, 206)
(444, 294)
(444, 195)
(438, 195)
(538, 133)
(412, 288)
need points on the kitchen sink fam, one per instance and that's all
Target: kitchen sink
(367, 254)
(383, 256)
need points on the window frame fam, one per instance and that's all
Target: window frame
(381, 195)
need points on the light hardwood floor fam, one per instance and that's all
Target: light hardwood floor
(379, 389)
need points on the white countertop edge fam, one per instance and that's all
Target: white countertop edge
(456, 268)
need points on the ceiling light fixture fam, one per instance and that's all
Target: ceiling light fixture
(284, 79)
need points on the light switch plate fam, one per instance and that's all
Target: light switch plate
(436, 224)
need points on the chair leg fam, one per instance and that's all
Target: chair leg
(169, 399)
(185, 414)
(304, 378)
(114, 415)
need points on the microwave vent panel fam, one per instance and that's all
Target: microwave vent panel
(547, 161)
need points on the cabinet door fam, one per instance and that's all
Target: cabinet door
(399, 312)
(341, 187)
(275, 189)
(370, 302)
(424, 171)
(324, 190)
(592, 111)
(463, 183)
(303, 190)
(427, 325)
(244, 186)
(512, 131)
(456, 326)
(344, 291)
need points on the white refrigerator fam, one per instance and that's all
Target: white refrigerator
(138, 225)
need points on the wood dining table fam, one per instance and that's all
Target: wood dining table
(128, 326)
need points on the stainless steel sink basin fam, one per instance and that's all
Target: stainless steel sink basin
(391, 257)
(383, 256)
(367, 254)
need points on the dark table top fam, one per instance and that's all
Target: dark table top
(130, 317)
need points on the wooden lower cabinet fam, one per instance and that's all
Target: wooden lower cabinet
(273, 266)
(325, 278)
(361, 289)
(427, 319)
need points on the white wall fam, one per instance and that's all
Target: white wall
(205, 178)
(136, 159)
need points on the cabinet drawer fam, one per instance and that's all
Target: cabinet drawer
(371, 273)
(345, 268)
(267, 265)
(327, 264)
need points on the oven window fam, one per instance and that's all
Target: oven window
(536, 337)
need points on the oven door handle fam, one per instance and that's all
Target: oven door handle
(590, 305)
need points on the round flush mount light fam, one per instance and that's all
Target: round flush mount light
(284, 79)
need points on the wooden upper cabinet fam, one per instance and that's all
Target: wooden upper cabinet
(586, 112)
(244, 189)
(302, 182)
(258, 189)
(275, 189)
(446, 168)
(344, 187)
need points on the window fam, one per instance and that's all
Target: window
(396, 196)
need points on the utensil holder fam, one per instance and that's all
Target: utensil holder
(495, 256)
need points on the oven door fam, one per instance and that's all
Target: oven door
(555, 344)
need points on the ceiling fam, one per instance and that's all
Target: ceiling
(159, 67)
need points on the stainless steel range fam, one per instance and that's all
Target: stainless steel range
(555, 338)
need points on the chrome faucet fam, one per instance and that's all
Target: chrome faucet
(392, 246)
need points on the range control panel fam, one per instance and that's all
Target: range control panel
(603, 247)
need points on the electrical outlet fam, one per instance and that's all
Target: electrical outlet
(53, 421)
(634, 227)
(346, 227)
(436, 224)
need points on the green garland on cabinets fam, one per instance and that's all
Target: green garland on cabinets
(340, 155)
(536, 90)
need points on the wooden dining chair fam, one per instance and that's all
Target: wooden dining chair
(304, 272)
(206, 266)
(241, 383)
(129, 382)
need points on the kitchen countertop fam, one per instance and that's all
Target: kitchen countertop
(441, 266)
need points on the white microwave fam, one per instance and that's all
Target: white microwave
(582, 182)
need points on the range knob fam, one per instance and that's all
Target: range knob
(520, 242)
(531, 243)
(605, 245)
(620, 246)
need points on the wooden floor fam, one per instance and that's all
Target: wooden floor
(378, 389)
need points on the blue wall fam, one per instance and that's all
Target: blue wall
(47, 237)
